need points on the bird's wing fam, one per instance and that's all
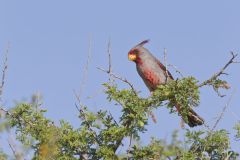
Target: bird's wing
(164, 68)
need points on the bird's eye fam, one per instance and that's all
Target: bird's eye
(135, 51)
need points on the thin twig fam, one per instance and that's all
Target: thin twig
(113, 118)
(14, 149)
(16, 117)
(113, 75)
(129, 146)
(235, 115)
(176, 69)
(109, 51)
(119, 78)
(80, 106)
(85, 72)
(214, 77)
(5, 66)
(109, 71)
(165, 63)
(223, 110)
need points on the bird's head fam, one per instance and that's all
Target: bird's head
(134, 53)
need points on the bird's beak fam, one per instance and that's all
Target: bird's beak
(132, 57)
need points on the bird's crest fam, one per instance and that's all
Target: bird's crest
(143, 43)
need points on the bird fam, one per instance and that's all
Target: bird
(154, 73)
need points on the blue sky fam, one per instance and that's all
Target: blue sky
(49, 43)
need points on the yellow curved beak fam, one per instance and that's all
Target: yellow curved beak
(132, 57)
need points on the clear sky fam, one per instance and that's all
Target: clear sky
(49, 43)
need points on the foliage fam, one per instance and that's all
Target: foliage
(3, 156)
(100, 135)
(237, 128)
(158, 149)
(210, 144)
(184, 93)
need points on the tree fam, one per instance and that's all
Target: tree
(100, 135)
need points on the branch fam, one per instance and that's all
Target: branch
(16, 117)
(5, 66)
(176, 69)
(165, 63)
(119, 141)
(83, 80)
(214, 77)
(109, 71)
(85, 71)
(14, 149)
(223, 110)
(129, 146)
(119, 78)
(111, 74)
(109, 50)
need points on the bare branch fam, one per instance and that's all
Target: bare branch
(18, 155)
(237, 117)
(176, 69)
(80, 106)
(223, 110)
(119, 78)
(165, 64)
(12, 148)
(85, 72)
(5, 66)
(109, 50)
(129, 146)
(214, 77)
(109, 71)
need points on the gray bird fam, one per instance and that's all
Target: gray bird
(154, 73)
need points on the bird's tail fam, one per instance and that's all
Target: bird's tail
(193, 119)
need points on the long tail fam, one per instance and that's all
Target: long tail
(193, 118)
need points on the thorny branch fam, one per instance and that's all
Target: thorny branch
(216, 75)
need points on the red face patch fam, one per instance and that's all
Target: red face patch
(134, 51)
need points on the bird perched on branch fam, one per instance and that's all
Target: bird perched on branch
(154, 73)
